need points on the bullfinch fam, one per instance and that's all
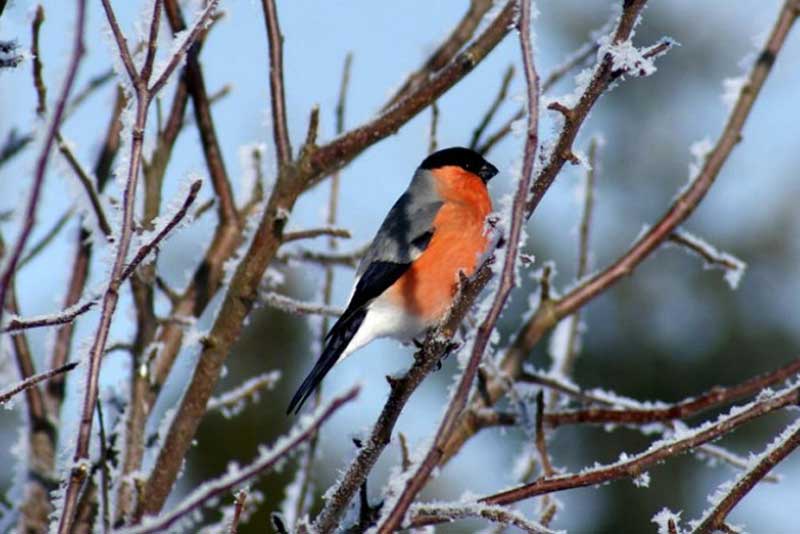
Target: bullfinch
(408, 277)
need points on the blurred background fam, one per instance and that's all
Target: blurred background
(672, 330)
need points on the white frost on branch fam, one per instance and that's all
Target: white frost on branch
(754, 462)
(232, 402)
(712, 258)
(731, 89)
(297, 307)
(663, 518)
(627, 58)
(452, 511)
(250, 155)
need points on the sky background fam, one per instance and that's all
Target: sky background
(673, 330)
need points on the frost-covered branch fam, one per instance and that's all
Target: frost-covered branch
(316, 232)
(31, 381)
(632, 466)
(177, 55)
(248, 390)
(445, 52)
(714, 259)
(637, 413)
(175, 219)
(728, 495)
(564, 356)
(395, 515)
(297, 307)
(16, 324)
(267, 459)
(345, 259)
(434, 513)
(283, 146)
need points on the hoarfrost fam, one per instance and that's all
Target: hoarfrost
(642, 481)
(731, 89)
(629, 59)
(663, 518)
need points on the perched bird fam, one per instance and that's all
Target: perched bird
(408, 277)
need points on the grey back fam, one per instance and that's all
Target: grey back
(402, 236)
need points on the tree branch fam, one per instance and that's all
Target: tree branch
(283, 147)
(779, 449)
(658, 451)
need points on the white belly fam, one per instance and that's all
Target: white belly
(384, 319)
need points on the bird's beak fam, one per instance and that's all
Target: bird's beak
(487, 172)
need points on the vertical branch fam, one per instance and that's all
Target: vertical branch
(283, 147)
(432, 143)
(195, 82)
(564, 366)
(41, 89)
(40, 435)
(417, 481)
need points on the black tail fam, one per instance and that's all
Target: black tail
(336, 341)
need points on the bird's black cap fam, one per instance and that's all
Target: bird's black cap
(461, 157)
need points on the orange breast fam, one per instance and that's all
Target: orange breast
(428, 287)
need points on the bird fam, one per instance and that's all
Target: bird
(408, 277)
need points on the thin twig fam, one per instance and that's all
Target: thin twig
(779, 449)
(541, 438)
(88, 185)
(144, 96)
(297, 307)
(189, 39)
(283, 147)
(105, 476)
(249, 389)
(316, 232)
(565, 365)
(307, 464)
(241, 500)
(46, 239)
(709, 254)
(38, 81)
(122, 43)
(345, 259)
(220, 486)
(432, 143)
(492, 111)
(147, 248)
(425, 514)
(33, 380)
(66, 316)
